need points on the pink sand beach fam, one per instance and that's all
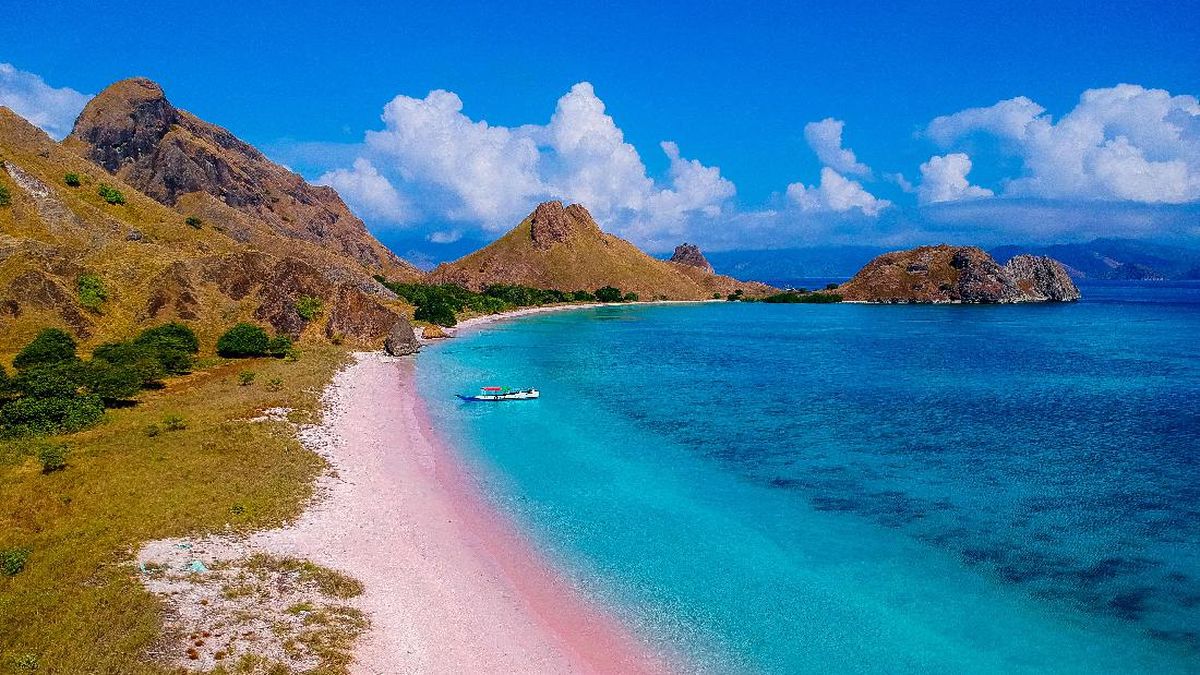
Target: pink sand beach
(451, 585)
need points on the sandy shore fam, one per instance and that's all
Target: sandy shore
(477, 321)
(451, 586)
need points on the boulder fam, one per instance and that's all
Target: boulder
(433, 333)
(401, 341)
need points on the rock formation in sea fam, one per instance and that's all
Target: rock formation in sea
(402, 340)
(562, 247)
(958, 274)
(689, 254)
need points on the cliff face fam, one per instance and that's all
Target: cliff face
(152, 264)
(132, 131)
(563, 248)
(958, 274)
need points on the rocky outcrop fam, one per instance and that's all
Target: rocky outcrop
(690, 255)
(551, 224)
(132, 131)
(958, 274)
(401, 341)
(1042, 279)
(433, 332)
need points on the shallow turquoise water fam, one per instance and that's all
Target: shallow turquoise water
(860, 488)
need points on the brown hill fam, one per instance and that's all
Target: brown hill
(132, 131)
(153, 266)
(564, 249)
(958, 274)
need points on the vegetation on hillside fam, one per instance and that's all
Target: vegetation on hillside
(247, 340)
(442, 304)
(180, 463)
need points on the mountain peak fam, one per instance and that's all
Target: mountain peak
(551, 223)
(124, 122)
(689, 254)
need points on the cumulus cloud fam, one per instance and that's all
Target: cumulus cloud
(1123, 143)
(835, 193)
(825, 138)
(944, 179)
(28, 95)
(472, 172)
(369, 192)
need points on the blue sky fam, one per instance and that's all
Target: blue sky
(733, 87)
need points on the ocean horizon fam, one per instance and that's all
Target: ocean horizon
(901, 488)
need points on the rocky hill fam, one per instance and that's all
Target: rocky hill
(194, 225)
(689, 254)
(959, 274)
(563, 248)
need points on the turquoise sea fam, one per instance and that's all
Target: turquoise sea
(854, 488)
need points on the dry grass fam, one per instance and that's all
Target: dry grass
(77, 607)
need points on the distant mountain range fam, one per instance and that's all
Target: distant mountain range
(1098, 259)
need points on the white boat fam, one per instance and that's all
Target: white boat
(502, 394)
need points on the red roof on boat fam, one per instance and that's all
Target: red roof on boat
(492, 388)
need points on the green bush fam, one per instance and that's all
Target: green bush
(152, 430)
(110, 194)
(274, 384)
(113, 383)
(56, 415)
(583, 296)
(91, 291)
(141, 359)
(630, 297)
(308, 307)
(193, 221)
(608, 294)
(792, 297)
(73, 180)
(55, 380)
(174, 423)
(716, 296)
(279, 346)
(246, 377)
(12, 560)
(243, 340)
(53, 457)
(49, 346)
(831, 287)
(5, 196)
(173, 344)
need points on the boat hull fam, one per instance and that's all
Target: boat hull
(490, 398)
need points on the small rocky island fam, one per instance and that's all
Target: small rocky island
(959, 274)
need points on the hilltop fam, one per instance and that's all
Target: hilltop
(193, 225)
(563, 248)
(959, 274)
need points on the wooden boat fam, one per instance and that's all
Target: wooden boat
(501, 394)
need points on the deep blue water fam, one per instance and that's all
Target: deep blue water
(833, 488)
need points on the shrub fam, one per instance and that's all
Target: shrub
(53, 457)
(583, 296)
(608, 294)
(50, 346)
(56, 380)
(73, 180)
(5, 196)
(308, 307)
(113, 383)
(630, 297)
(716, 296)
(243, 340)
(246, 377)
(274, 384)
(193, 221)
(173, 344)
(733, 297)
(174, 423)
(12, 560)
(91, 291)
(831, 287)
(153, 430)
(110, 194)
(29, 415)
(4, 383)
(279, 346)
(141, 359)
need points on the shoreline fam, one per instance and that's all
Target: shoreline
(485, 319)
(451, 584)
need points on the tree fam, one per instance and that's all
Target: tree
(609, 294)
(142, 359)
(437, 312)
(50, 346)
(113, 383)
(244, 339)
(173, 335)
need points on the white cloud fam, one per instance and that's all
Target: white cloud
(445, 236)
(369, 192)
(944, 179)
(54, 110)
(471, 172)
(825, 138)
(835, 193)
(1123, 143)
